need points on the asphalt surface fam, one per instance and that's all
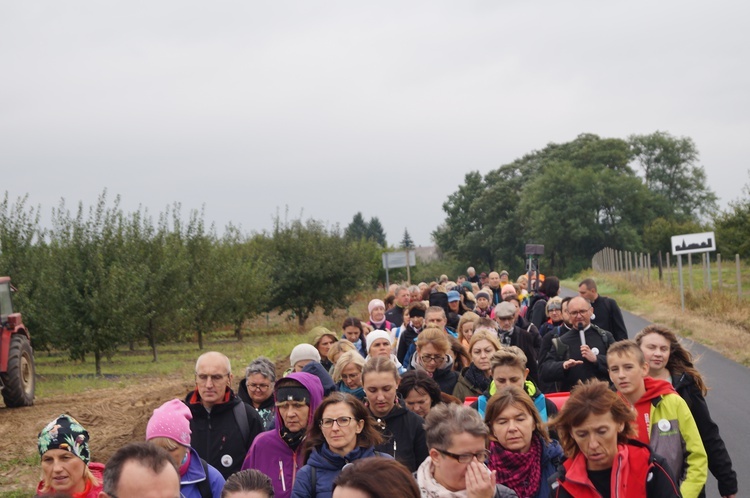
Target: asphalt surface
(727, 399)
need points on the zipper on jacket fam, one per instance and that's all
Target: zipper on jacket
(617, 477)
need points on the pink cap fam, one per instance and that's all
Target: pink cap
(373, 304)
(508, 288)
(170, 420)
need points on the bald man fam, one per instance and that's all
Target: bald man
(569, 359)
(223, 426)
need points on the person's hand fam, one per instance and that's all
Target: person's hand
(587, 354)
(571, 363)
(480, 481)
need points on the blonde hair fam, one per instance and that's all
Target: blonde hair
(341, 346)
(468, 317)
(345, 360)
(484, 335)
(509, 356)
(435, 336)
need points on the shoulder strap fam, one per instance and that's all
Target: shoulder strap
(561, 349)
(314, 480)
(240, 415)
(204, 486)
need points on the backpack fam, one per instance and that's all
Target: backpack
(561, 349)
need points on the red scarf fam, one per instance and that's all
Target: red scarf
(521, 472)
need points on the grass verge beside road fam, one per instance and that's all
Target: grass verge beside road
(718, 319)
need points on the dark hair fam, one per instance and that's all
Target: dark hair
(379, 477)
(680, 359)
(589, 283)
(145, 454)
(459, 353)
(593, 397)
(388, 301)
(368, 437)
(248, 480)
(566, 299)
(420, 381)
(353, 322)
(550, 286)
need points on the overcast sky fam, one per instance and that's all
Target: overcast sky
(329, 108)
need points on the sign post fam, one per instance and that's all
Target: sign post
(398, 259)
(689, 244)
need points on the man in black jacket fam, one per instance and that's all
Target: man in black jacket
(607, 314)
(395, 315)
(568, 360)
(223, 426)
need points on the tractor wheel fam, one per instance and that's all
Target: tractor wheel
(18, 381)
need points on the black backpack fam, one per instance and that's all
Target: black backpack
(204, 487)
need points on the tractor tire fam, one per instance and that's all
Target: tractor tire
(18, 381)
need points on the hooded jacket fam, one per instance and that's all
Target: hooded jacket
(97, 470)
(270, 454)
(216, 436)
(719, 461)
(667, 426)
(316, 369)
(195, 474)
(403, 436)
(637, 472)
(444, 375)
(266, 410)
(327, 466)
(406, 339)
(464, 388)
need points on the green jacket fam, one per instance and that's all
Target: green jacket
(674, 435)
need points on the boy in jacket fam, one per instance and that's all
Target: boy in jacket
(663, 421)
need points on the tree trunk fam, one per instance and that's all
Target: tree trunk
(98, 361)
(238, 329)
(200, 338)
(301, 319)
(152, 341)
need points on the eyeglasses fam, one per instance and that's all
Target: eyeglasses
(327, 423)
(258, 387)
(430, 358)
(346, 377)
(467, 457)
(203, 378)
(578, 313)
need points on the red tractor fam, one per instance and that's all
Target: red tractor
(16, 355)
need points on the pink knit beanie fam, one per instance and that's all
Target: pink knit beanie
(171, 420)
(373, 304)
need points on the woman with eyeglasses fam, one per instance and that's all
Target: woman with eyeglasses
(432, 357)
(521, 452)
(554, 316)
(278, 453)
(403, 435)
(256, 389)
(347, 374)
(457, 439)
(342, 432)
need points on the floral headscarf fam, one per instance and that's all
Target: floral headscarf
(65, 433)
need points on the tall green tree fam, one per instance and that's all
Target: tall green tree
(375, 232)
(406, 242)
(357, 229)
(733, 226)
(670, 168)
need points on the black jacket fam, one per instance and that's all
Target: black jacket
(404, 341)
(529, 344)
(266, 410)
(607, 316)
(217, 437)
(551, 365)
(403, 436)
(719, 462)
(395, 315)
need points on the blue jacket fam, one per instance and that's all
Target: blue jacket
(327, 466)
(552, 454)
(195, 474)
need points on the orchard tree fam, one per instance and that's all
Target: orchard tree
(315, 267)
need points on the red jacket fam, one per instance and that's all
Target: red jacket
(636, 473)
(654, 389)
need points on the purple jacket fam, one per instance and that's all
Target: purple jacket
(270, 454)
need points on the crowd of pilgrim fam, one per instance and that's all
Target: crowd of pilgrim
(478, 388)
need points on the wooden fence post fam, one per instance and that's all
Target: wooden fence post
(739, 276)
(718, 269)
(669, 270)
(690, 270)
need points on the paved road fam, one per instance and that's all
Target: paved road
(728, 400)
